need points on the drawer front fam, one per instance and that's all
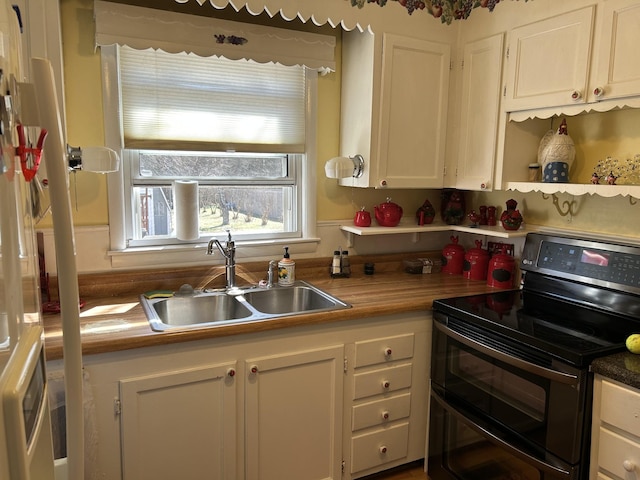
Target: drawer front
(383, 350)
(380, 412)
(380, 381)
(620, 407)
(379, 447)
(618, 455)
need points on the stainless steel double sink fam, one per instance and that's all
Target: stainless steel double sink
(194, 309)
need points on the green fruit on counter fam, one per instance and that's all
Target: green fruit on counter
(633, 343)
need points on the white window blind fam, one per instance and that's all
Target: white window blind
(181, 101)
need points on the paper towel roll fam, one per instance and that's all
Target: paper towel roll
(185, 194)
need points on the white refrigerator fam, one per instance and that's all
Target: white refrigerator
(31, 136)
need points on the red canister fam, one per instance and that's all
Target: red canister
(502, 269)
(476, 263)
(452, 257)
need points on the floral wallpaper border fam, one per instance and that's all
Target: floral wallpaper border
(445, 10)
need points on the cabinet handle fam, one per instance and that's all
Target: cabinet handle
(386, 384)
(383, 449)
(383, 183)
(576, 95)
(385, 415)
(598, 91)
(628, 466)
(254, 369)
(387, 352)
(484, 185)
(231, 372)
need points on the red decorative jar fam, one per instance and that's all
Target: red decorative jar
(476, 263)
(511, 218)
(453, 257)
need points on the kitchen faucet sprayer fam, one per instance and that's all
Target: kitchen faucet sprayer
(229, 254)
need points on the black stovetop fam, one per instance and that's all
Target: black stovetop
(569, 332)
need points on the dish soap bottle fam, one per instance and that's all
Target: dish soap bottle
(286, 270)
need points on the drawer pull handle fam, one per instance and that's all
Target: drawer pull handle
(385, 415)
(628, 466)
(387, 352)
(383, 449)
(386, 384)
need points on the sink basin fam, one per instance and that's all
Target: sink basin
(194, 310)
(290, 300)
(201, 309)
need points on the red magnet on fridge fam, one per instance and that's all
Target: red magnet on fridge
(29, 156)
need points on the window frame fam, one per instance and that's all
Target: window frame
(124, 255)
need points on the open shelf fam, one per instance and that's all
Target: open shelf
(575, 188)
(416, 230)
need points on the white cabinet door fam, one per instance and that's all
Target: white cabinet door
(617, 72)
(293, 417)
(413, 116)
(394, 109)
(481, 86)
(180, 424)
(549, 61)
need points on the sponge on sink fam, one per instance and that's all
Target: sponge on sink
(158, 294)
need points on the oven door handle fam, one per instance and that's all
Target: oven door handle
(549, 374)
(492, 437)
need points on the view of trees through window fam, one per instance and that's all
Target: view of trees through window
(247, 194)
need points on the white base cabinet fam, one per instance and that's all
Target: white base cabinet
(335, 401)
(293, 415)
(615, 442)
(179, 424)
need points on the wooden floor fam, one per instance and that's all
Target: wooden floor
(411, 471)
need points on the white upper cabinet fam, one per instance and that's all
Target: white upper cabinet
(394, 109)
(617, 69)
(549, 61)
(481, 77)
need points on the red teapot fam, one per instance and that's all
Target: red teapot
(388, 214)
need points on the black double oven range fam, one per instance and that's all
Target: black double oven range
(511, 390)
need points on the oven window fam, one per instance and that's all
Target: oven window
(524, 396)
(470, 456)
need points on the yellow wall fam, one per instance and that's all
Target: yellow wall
(598, 135)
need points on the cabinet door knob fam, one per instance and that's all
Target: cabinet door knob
(231, 372)
(576, 95)
(628, 466)
(383, 183)
(598, 91)
(386, 384)
(383, 449)
(254, 369)
(385, 415)
(387, 352)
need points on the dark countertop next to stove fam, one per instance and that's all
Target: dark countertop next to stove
(623, 367)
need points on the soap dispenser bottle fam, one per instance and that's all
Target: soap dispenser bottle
(286, 270)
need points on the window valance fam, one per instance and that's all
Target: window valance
(142, 28)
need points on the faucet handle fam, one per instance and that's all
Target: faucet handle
(229, 241)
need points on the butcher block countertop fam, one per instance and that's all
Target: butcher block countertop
(112, 318)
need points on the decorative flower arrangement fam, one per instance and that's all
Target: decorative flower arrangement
(611, 170)
(445, 10)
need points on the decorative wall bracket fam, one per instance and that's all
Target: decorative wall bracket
(567, 208)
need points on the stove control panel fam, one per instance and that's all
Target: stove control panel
(584, 260)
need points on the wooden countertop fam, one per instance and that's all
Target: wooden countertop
(115, 323)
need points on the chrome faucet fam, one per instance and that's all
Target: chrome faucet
(229, 254)
(272, 264)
